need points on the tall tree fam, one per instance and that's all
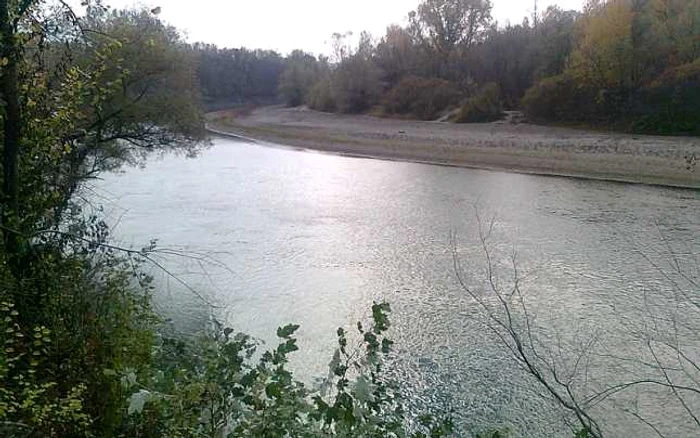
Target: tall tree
(356, 81)
(300, 72)
(95, 93)
(397, 55)
(235, 76)
(446, 23)
(603, 57)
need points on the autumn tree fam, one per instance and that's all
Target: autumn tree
(604, 55)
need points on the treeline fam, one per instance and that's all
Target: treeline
(623, 64)
(451, 55)
(237, 76)
(635, 65)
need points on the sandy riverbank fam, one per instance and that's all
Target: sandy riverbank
(512, 147)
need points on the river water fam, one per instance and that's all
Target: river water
(271, 236)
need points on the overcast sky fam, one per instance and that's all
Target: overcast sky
(284, 25)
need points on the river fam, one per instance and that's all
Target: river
(272, 235)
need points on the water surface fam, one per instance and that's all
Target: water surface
(276, 236)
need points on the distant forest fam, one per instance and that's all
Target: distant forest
(631, 65)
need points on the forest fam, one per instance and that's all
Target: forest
(627, 65)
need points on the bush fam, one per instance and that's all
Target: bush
(670, 104)
(83, 314)
(420, 97)
(551, 99)
(484, 106)
(320, 97)
(218, 386)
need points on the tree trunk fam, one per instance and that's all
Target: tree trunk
(12, 125)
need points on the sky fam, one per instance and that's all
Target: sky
(285, 25)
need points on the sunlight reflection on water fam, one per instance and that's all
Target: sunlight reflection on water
(314, 239)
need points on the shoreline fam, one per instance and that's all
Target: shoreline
(526, 149)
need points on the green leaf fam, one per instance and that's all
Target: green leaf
(273, 390)
(287, 331)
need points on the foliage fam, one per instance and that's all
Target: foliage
(631, 66)
(28, 403)
(484, 106)
(320, 96)
(82, 95)
(230, 77)
(300, 72)
(670, 104)
(556, 99)
(154, 75)
(445, 23)
(554, 40)
(507, 59)
(93, 107)
(595, 66)
(219, 387)
(94, 304)
(356, 82)
(397, 55)
(420, 97)
(603, 57)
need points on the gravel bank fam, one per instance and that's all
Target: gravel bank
(512, 147)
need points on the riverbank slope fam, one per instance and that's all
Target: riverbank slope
(512, 147)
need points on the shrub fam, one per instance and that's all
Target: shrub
(81, 314)
(420, 97)
(31, 402)
(551, 99)
(484, 106)
(670, 104)
(561, 99)
(320, 97)
(218, 386)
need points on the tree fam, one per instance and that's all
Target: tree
(397, 55)
(11, 13)
(446, 23)
(506, 57)
(126, 87)
(82, 95)
(554, 40)
(300, 72)
(356, 82)
(604, 57)
(579, 372)
(422, 98)
(230, 77)
(676, 28)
